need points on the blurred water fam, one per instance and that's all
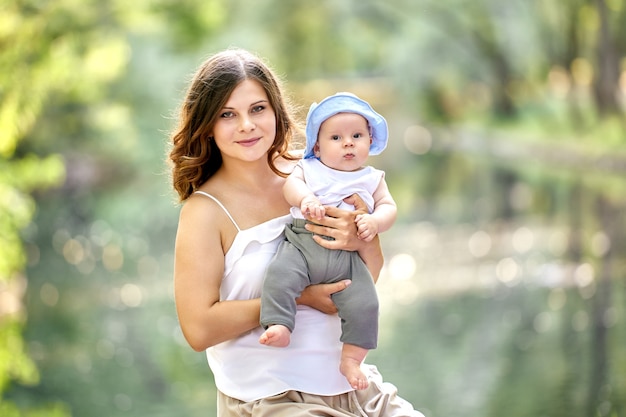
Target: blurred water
(511, 302)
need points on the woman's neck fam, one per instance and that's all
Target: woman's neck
(251, 192)
(247, 175)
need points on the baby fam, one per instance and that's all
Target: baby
(341, 132)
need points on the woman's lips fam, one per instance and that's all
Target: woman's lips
(248, 142)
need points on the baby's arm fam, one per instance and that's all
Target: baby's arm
(297, 194)
(383, 216)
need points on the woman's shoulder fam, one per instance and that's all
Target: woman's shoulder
(204, 207)
(206, 216)
(201, 224)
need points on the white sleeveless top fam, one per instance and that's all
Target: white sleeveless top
(245, 369)
(331, 186)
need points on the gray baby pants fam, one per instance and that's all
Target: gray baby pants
(300, 262)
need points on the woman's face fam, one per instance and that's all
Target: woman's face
(246, 125)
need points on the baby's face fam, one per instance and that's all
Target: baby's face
(343, 142)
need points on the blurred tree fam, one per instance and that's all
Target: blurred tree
(606, 82)
(584, 38)
(26, 79)
(190, 22)
(329, 38)
(47, 50)
(511, 60)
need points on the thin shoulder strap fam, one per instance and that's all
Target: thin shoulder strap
(219, 203)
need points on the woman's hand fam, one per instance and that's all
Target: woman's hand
(318, 296)
(340, 225)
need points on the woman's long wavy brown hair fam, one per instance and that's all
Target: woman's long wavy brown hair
(194, 156)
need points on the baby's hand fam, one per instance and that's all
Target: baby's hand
(312, 207)
(367, 227)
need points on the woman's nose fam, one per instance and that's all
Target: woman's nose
(246, 124)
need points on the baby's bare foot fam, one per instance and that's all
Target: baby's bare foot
(276, 335)
(351, 369)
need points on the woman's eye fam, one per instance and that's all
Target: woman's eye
(227, 115)
(257, 109)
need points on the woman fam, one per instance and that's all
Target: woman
(230, 155)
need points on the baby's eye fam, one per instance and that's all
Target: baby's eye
(334, 137)
(357, 135)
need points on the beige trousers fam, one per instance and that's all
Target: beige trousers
(380, 399)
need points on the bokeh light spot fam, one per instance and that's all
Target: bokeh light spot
(559, 81)
(583, 275)
(582, 71)
(73, 251)
(112, 257)
(59, 238)
(402, 267)
(523, 240)
(479, 244)
(543, 322)
(49, 294)
(131, 295)
(508, 271)
(418, 139)
(9, 303)
(600, 244)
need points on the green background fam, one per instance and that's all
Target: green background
(503, 292)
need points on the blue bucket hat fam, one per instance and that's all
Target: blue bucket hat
(345, 103)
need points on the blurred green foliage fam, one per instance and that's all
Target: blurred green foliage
(502, 113)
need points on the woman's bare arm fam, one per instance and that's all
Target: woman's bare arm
(199, 266)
